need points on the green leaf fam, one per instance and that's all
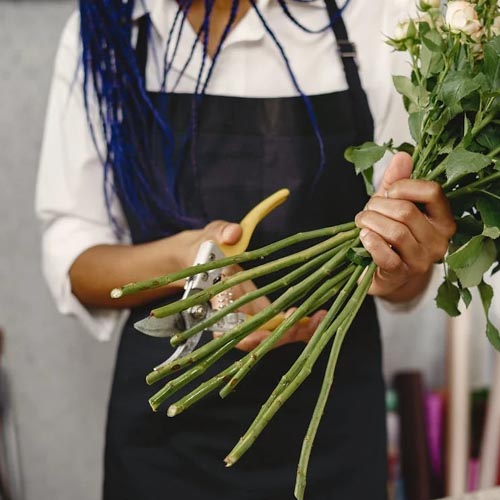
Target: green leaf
(486, 294)
(447, 298)
(415, 122)
(467, 132)
(466, 296)
(472, 260)
(467, 254)
(437, 125)
(406, 147)
(359, 256)
(366, 155)
(489, 208)
(416, 94)
(431, 62)
(449, 146)
(491, 232)
(457, 85)
(368, 181)
(491, 68)
(432, 40)
(462, 58)
(489, 138)
(461, 162)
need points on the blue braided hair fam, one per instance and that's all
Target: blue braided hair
(113, 78)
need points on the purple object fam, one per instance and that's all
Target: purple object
(434, 416)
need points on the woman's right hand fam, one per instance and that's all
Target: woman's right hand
(99, 269)
(186, 243)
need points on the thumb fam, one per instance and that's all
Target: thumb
(225, 233)
(399, 168)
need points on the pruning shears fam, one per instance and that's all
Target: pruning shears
(209, 251)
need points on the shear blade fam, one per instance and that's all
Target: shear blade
(160, 327)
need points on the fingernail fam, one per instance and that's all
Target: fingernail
(364, 233)
(227, 232)
(386, 193)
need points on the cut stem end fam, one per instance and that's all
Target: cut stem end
(116, 293)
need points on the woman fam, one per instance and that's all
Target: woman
(183, 116)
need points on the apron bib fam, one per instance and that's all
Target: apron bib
(244, 150)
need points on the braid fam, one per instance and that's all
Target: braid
(125, 110)
(297, 23)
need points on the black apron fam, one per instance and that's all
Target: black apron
(245, 149)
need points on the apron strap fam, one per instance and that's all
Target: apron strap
(347, 49)
(361, 108)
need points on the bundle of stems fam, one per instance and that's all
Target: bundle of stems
(453, 101)
(334, 269)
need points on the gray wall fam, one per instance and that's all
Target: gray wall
(60, 377)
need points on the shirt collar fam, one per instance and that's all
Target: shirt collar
(162, 13)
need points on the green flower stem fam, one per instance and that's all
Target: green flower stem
(316, 338)
(286, 280)
(264, 417)
(174, 385)
(494, 153)
(437, 170)
(240, 331)
(225, 343)
(248, 275)
(319, 409)
(201, 391)
(226, 375)
(179, 382)
(420, 166)
(330, 287)
(472, 187)
(440, 168)
(260, 253)
(484, 122)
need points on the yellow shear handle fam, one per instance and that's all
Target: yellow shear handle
(250, 221)
(248, 225)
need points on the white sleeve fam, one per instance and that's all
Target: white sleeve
(70, 201)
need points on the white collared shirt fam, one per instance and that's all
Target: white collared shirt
(69, 199)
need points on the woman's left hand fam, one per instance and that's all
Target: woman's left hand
(404, 241)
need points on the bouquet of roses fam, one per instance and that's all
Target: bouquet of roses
(453, 101)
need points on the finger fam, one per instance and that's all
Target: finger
(395, 234)
(387, 260)
(400, 167)
(302, 332)
(253, 340)
(430, 194)
(224, 233)
(406, 213)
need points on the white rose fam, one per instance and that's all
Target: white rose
(402, 30)
(495, 27)
(461, 17)
(430, 4)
